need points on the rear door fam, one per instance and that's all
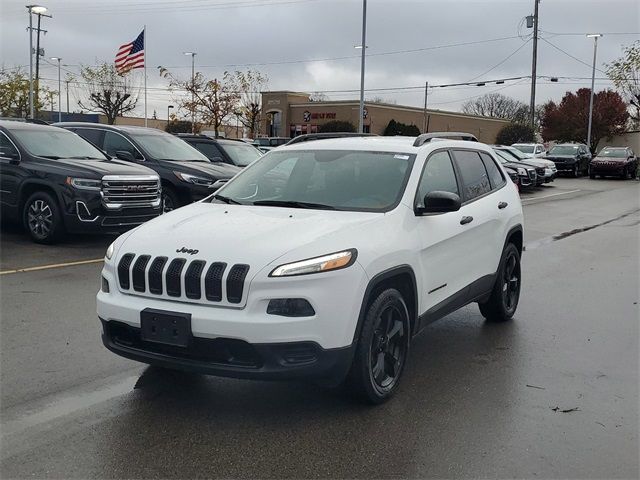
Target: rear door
(480, 216)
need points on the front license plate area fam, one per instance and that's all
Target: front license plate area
(169, 328)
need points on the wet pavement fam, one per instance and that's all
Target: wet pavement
(476, 400)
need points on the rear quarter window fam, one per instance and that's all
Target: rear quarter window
(475, 179)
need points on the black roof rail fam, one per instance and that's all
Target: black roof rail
(427, 137)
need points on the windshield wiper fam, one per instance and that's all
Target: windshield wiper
(226, 199)
(294, 204)
(52, 157)
(86, 158)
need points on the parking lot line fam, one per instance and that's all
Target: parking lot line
(55, 265)
(547, 196)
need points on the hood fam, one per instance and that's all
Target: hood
(213, 170)
(99, 168)
(245, 234)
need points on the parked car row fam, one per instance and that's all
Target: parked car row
(576, 159)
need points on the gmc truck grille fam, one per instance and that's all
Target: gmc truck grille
(540, 171)
(168, 277)
(129, 191)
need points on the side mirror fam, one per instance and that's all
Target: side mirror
(440, 202)
(125, 155)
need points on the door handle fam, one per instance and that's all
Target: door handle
(502, 205)
(466, 220)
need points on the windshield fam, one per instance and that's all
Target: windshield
(613, 152)
(515, 153)
(56, 143)
(524, 148)
(241, 154)
(168, 147)
(564, 150)
(323, 179)
(503, 156)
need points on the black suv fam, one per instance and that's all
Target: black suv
(53, 182)
(186, 175)
(573, 158)
(233, 152)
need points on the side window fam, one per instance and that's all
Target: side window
(438, 175)
(538, 149)
(91, 134)
(7, 149)
(209, 150)
(475, 180)
(114, 142)
(495, 175)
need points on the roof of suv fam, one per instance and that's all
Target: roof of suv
(12, 125)
(117, 128)
(375, 143)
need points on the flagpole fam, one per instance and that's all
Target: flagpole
(145, 75)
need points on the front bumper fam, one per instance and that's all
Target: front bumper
(86, 220)
(565, 166)
(228, 357)
(607, 168)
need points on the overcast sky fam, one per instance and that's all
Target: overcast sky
(315, 36)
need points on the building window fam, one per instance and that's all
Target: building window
(275, 119)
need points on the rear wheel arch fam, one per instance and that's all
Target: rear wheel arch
(515, 236)
(401, 278)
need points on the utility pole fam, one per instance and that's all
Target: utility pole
(426, 93)
(38, 30)
(363, 45)
(193, 92)
(67, 82)
(59, 90)
(595, 37)
(38, 10)
(534, 66)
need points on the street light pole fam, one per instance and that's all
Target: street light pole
(193, 92)
(363, 45)
(534, 65)
(59, 89)
(595, 37)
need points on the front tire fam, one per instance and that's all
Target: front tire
(576, 171)
(503, 302)
(382, 348)
(169, 200)
(42, 218)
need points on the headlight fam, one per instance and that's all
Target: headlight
(185, 177)
(333, 261)
(522, 171)
(109, 253)
(84, 183)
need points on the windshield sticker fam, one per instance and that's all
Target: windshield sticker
(401, 157)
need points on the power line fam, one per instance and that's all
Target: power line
(502, 61)
(569, 55)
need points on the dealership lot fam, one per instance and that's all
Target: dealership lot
(477, 400)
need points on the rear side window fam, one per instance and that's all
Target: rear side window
(495, 175)
(91, 134)
(475, 180)
(438, 175)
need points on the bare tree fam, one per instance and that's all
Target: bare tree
(625, 75)
(213, 100)
(378, 99)
(497, 106)
(318, 97)
(250, 85)
(107, 92)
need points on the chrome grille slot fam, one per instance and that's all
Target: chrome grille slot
(123, 191)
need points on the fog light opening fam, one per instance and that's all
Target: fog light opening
(290, 307)
(105, 285)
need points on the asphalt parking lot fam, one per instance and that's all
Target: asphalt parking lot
(552, 394)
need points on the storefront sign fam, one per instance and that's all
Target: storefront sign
(308, 116)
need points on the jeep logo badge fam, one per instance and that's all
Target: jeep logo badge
(190, 251)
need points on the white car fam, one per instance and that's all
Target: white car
(531, 150)
(320, 260)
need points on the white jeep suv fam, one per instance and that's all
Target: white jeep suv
(320, 260)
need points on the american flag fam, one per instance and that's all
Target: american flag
(131, 55)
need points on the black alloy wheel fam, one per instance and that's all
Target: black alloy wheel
(42, 218)
(382, 349)
(503, 301)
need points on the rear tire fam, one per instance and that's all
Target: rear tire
(382, 348)
(503, 302)
(42, 218)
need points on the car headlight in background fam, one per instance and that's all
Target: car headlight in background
(185, 177)
(84, 183)
(522, 171)
(109, 253)
(333, 261)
